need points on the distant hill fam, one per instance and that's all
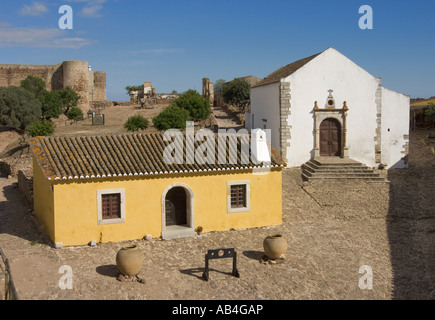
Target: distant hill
(422, 102)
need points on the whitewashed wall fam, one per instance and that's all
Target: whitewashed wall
(265, 105)
(350, 83)
(332, 70)
(395, 126)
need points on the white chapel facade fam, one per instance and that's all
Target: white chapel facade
(327, 106)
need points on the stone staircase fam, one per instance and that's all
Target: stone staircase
(321, 168)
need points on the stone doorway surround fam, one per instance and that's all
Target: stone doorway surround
(330, 112)
(179, 231)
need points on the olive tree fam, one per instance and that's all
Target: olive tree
(18, 107)
(237, 93)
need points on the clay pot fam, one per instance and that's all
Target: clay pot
(274, 246)
(129, 260)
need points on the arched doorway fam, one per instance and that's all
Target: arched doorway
(330, 138)
(175, 207)
(177, 211)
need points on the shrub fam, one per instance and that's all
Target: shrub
(173, 117)
(134, 123)
(237, 93)
(41, 127)
(192, 101)
(34, 85)
(18, 107)
(68, 98)
(429, 115)
(75, 114)
(51, 104)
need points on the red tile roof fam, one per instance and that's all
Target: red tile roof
(284, 71)
(122, 155)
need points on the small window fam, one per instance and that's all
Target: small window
(238, 196)
(111, 206)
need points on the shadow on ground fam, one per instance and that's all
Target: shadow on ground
(411, 224)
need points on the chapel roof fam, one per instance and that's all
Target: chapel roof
(285, 71)
(85, 157)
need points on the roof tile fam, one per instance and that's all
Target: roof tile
(126, 154)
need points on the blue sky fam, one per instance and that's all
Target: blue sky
(174, 44)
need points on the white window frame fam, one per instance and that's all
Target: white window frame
(247, 183)
(100, 208)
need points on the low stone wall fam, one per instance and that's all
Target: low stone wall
(25, 185)
(210, 123)
(102, 104)
(121, 103)
(165, 101)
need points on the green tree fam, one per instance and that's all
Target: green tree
(237, 93)
(197, 106)
(68, 98)
(429, 114)
(34, 85)
(219, 86)
(18, 107)
(173, 117)
(133, 88)
(75, 114)
(54, 102)
(51, 104)
(41, 127)
(135, 123)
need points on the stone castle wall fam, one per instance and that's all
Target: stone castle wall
(75, 74)
(99, 85)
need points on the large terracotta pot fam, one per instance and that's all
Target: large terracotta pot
(274, 246)
(129, 260)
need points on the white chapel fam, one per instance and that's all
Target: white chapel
(328, 106)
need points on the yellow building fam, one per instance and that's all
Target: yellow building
(115, 188)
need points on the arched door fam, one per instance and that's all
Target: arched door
(330, 138)
(175, 207)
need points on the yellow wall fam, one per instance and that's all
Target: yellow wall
(75, 203)
(43, 200)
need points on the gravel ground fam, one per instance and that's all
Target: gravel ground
(332, 229)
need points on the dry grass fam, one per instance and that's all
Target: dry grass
(114, 116)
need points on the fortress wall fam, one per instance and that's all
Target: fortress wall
(75, 74)
(99, 85)
(13, 74)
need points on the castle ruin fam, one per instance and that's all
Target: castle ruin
(90, 85)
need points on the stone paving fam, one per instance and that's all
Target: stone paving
(332, 229)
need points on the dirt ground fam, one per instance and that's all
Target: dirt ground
(114, 118)
(333, 228)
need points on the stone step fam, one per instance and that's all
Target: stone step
(335, 177)
(361, 169)
(337, 168)
(341, 174)
(343, 163)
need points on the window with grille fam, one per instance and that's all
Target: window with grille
(238, 196)
(111, 206)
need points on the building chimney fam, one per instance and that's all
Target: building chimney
(259, 146)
